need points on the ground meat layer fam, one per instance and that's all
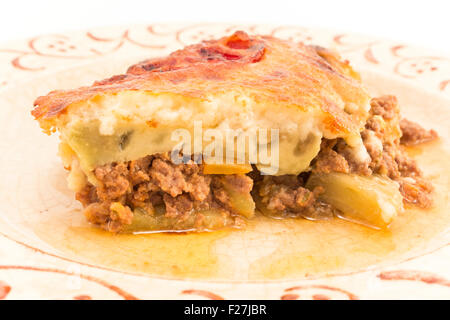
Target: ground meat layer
(154, 181)
(383, 137)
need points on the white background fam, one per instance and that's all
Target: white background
(424, 23)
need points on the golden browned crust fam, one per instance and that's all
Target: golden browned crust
(267, 68)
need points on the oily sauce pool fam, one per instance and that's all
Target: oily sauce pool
(266, 248)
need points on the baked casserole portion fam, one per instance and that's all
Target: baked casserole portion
(340, 150)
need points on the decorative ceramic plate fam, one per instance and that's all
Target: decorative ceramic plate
(47, 250)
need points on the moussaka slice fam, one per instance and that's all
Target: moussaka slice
(283, 113)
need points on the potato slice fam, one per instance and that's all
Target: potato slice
(158, 222)
(211, 168)
(241, 203)
(370, 200)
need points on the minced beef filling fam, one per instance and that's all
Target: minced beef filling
(154, 180)
(414, 134)
(383, 137)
